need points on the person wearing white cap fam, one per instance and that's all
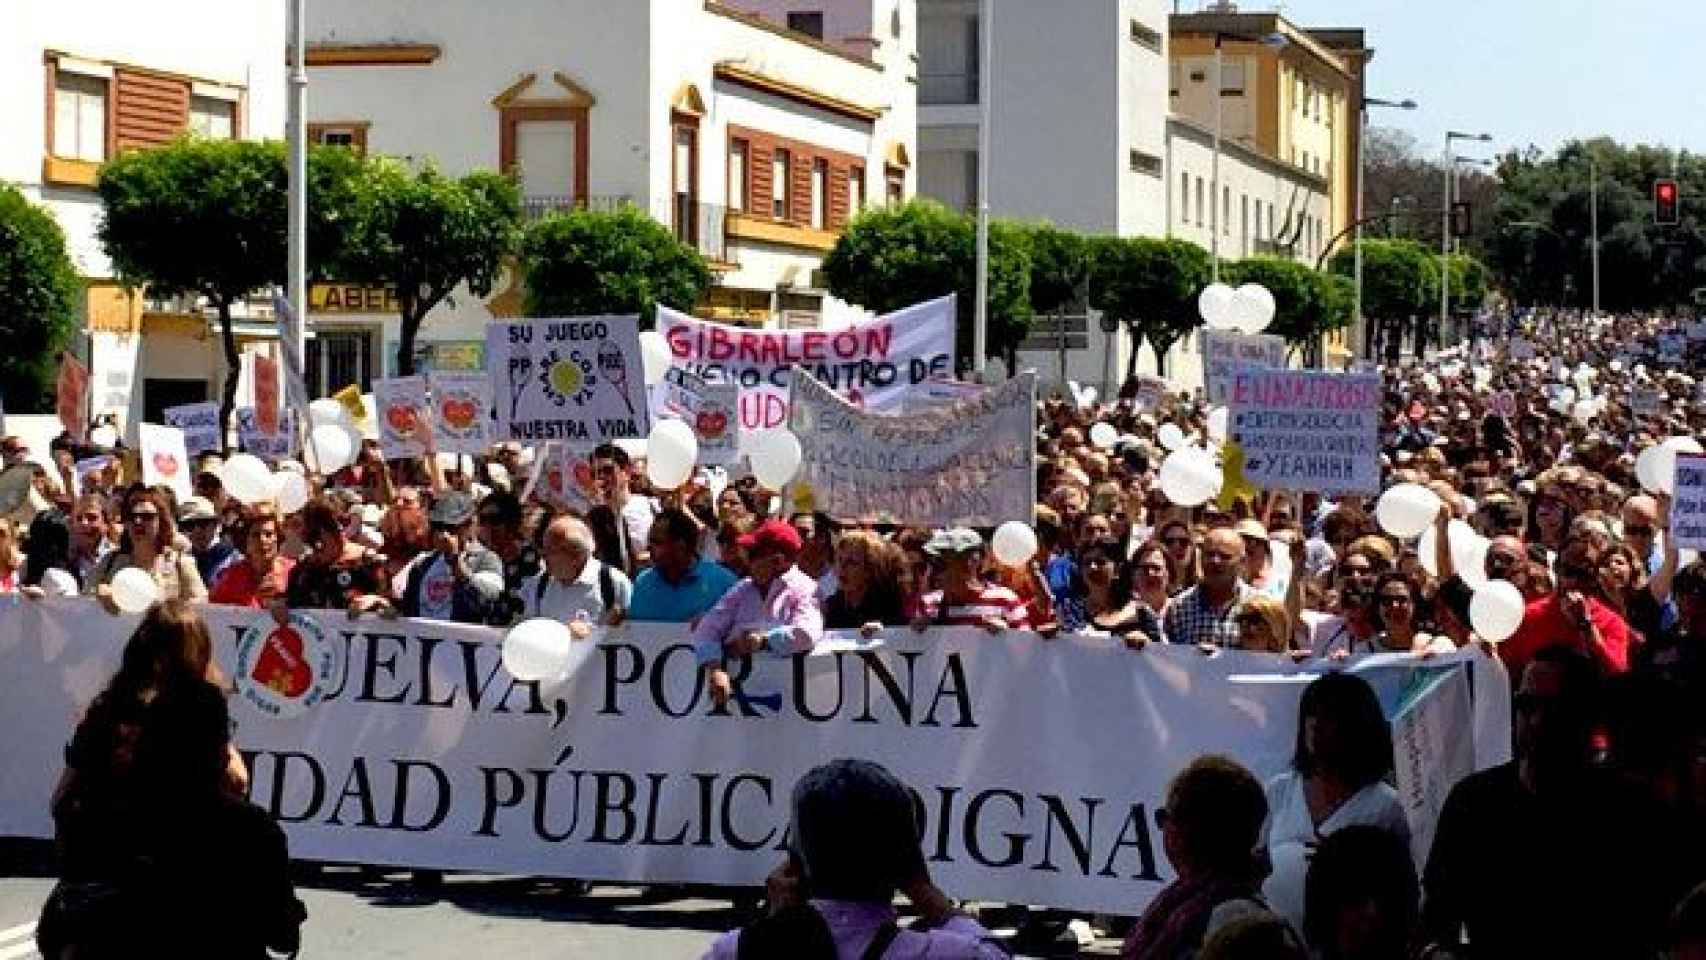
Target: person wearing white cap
(198, 520)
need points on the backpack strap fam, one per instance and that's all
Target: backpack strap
(880, 943)
(606, 587)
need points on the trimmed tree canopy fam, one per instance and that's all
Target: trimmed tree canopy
(38, 300)
(583, 263)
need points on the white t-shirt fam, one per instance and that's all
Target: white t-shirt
(1290, 835)
(580, 599)
(437, 589)
(1328, 632)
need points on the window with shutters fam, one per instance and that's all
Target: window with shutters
(781, 184)
(684, 178)
(351, 134)
(855, 190)
(739, 187)
(149, 109)
(1184, 198)
(79, 116)
(213, 118)
(820, 191)
(1232, 79)
(894, 186)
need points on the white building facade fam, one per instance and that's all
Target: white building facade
(86, 81)
(753, 141)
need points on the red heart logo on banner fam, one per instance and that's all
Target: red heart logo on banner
(460, 413)
(166, 464)
(281, 666)
(439, 591)
(554, 479)
(402, 419)
(712, 423)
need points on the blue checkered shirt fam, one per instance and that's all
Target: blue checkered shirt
(1190, 619)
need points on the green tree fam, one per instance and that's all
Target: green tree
(198, 217)
(427, 234)
(1151, 286)
(38, 300)
(1400, 287)
(1060, 261)
(584, 263)
(1299, 311)
(892, 258)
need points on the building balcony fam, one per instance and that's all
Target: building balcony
(702, 226)
(535, 207)
(948, 89)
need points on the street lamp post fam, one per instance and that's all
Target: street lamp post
(1593, 219)
(1362, 128)
(980, 306)
(1445, 228)
(1276, 41)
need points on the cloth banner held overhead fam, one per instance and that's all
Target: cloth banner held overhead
(573, 379)
(461, 410)
(873, 364)
(417, 749)
(200, 424)
(71, 395)
(972, 463)
(1307, 429)
(402, 401)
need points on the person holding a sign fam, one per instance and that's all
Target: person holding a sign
(774, 610)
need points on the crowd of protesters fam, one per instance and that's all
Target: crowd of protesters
(1587, 844)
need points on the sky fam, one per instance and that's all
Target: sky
(1539, 72)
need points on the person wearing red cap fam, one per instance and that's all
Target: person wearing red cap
(774, 610)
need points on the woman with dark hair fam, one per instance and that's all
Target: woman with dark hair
(174, 839)
(258, 577)
(170, 647)
(1636, 597)
(335, 573)
(48, 567)
(1181, 546)
(149, 543)
(1105, 584)
(1549, 516)
(1210, 829)
(1137, 621)
(1362, 900)
(1337, 779)
(1399, 617)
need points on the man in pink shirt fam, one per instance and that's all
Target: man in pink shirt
(774, 610)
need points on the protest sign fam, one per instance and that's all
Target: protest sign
(1646, 401)
(573, 379)
(112, 375)
(970, 464)
(266, 392)
(1688, 503)
(415, 748)
(401, 402)
(1308, 430)
(562, 477)
(1151, 390)
(936, 394)
(164, 459)
(200, 424)
(461, 410)
(711, 409)
(269, 447)
(1521, 349)
(1224, 354)
(71, 395)
(872, 364)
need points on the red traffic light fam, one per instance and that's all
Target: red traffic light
(1667, 192)
(1666, 203)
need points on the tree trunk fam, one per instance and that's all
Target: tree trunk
(233, 370)
(410, 326)
(1136, 344)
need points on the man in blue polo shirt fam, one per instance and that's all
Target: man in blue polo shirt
(679, 586)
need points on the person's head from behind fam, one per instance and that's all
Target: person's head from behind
(1686, 936)
(170, 645)
(49, 546)
(1342, 734)
(1213, 819)
(1689, 590)
(855, 831)
(673, 542)
(1361, 897)
(1262, 936)
(1554, 711)
(183, 745)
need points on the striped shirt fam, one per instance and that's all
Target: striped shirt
(994, 600)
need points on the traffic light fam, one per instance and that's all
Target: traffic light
(1666, 203)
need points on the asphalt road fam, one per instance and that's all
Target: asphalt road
(356, 916)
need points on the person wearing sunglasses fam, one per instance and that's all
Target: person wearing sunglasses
(446, 583)
(335, 573)
(200, 522)
(148, 544)
(1398, 610)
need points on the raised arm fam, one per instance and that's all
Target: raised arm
(1660, 583)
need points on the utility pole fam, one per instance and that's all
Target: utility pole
(980, 311)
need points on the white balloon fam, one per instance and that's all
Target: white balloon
(1215, 306)
(654, 356)
(327, 410)
(1495, 611)
(1468, 552)
(133, 590)
(247, 478)
(290, 491)
(671, 451)
(1103, 435)
(1684, 445)
(1170, 436)
(489, 583)
(1406, 510)
(1014, 544)
(1217, 424)
(331, 447)
(775, 456)
(1253, 308)
(537, 649)
(103, 436)
(1189, 476)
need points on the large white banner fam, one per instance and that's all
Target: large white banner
(576, 380)
(970, 463)
(1038, 765)
(872, 364)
